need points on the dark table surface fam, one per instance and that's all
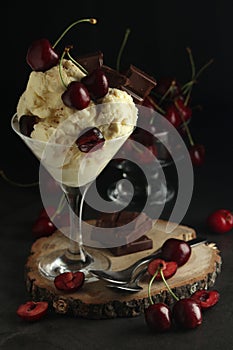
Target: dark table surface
(20, 208)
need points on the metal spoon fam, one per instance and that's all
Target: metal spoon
(131, 286)
(125, 275)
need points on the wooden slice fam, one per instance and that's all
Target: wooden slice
(95, 301)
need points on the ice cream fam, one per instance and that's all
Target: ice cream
(115, 115)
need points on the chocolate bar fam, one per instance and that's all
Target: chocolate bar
(142, 243)
(123, 230)
(115, 79)
(139, 84)
(91, 61)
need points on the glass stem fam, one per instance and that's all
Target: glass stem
(75, 197)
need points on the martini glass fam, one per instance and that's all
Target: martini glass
(74, 171)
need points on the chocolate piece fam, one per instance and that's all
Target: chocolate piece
(115, 79)
(91, 61)
(121, 228)
(142, 243)
(139, 84)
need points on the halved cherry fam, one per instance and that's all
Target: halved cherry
(69, 281)
(206, 298)
(169, 268)
(90, 140)
(32, 311)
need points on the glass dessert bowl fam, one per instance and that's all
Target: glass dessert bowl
(74, 172)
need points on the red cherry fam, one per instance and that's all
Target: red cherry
(47, 212)
(76, 96)
(26, 124)
(220, 221)
(90, 139)
(69, 281)
(158, 317)
(96, 83)
(172, 115)
(197, 154)
(174, 249)
(32, 311)
(206, 298)
(41, 56)
(185, 112)
(187, 313)
(169, 268)
(43, 226)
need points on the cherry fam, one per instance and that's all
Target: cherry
(26, 124)
(220, 221)
(158, 317)
(96, 83)
(41, 55)
(184, 110)
(172, 115)
(43, 226)
(174, 249)
(206, 298)
(197, 154)
(187, 313)
(32, 311)
(69, 281)
(169, 268)
(47, 212)
(76, 96)
(90, 140)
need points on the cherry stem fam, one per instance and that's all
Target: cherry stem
(157, 107)
(185, 125)
(167, 92)
(90, 20)
(60, 66)
(76, 63)
(127, 32)
(150, 284)
(168, 287)
(14, 183)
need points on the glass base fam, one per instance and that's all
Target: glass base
(59, 261)
(122, 195)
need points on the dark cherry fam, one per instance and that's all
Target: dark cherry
(41, 56)
(174, 249)
(76, 96)
(158, 317)
(220, 221)
(69, 281)
(169, 268)
(90, 140)
(43, 226)
(185, 112)
(26, 124)
(206, 298)
(172, 115)
(187, 313)
(96, 83)
(32, 311)
(197, 154)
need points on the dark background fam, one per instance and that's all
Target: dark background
(160, 33)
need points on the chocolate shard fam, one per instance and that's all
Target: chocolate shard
(139, 84)
(140, 244)
(126, 228)
(91, 61)
(115, 79)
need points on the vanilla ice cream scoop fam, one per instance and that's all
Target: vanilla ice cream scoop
(115, 115)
